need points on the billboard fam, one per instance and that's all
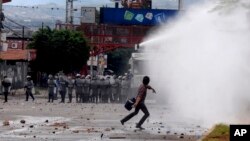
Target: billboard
(88, 14)
(127, 16)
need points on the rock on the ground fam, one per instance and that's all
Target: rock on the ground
(6, 123)
(22, 121)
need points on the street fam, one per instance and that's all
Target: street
(74, 121)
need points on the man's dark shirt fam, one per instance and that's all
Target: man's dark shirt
(142, 92)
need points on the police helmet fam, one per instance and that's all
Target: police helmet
(78, 75)
(50, 76)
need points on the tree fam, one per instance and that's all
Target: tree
(118, 60)
(59, 50)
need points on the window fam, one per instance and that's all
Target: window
(14, 45)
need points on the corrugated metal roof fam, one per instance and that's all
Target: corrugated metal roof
(18, 54)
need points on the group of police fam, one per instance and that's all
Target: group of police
(87, 89)
(28, 85)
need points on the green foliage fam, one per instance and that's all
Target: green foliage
(118, 60)
(59, 50)
(219, 133)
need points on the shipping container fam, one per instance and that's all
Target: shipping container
(124, 16)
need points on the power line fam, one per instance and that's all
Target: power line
(16, 23)
(14, 32)
(33, 7)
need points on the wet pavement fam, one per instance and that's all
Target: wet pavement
(56, 121)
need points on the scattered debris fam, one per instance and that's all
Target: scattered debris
(57, 124)
(6, 123)
(75, 131)
(107, 129)
(91, 130)
(22, 134)
(22, 121)
(117, 137)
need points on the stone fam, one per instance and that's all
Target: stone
(22, 121)
(107, 129)
(6, 123)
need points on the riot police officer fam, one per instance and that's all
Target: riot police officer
(86, 89)
(63, 84)
(57, 87)
(107, 90)
(114, 89)
(124, 89)
(78, 88)
(51, 87)
(6, 83)
(102, 89)
(70, 88)
(29, 85)
(94, 89)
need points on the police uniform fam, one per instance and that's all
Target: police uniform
(70, 89)
(115, 90)
(78, 87)
(6, 88)
(63, 84)
(29, 85)
(86, 90)
(107, 93)
(94, 90)
(124, 89)
(51, 87)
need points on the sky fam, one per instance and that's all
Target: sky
(156, 3)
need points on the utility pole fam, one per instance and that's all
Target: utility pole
(69, 12)
(1, 10)
(23, 37)
(180, 5)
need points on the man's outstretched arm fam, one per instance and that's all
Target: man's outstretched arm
(149, 87)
